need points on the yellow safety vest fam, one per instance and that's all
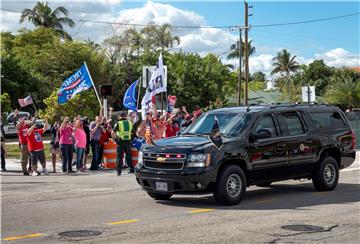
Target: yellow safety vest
(124, 130)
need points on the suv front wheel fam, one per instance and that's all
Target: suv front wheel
(231, 185)
(326, 175)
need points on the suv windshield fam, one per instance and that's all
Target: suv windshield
(230, 124)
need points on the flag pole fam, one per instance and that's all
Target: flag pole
(33, 102)
(97, 95)
(138, 96)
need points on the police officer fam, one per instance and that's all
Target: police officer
(122, 134)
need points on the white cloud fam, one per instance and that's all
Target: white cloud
(339, 57)
(193, 40)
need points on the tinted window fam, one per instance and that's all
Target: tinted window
(293, 124)
(327, 120)
(266, 123)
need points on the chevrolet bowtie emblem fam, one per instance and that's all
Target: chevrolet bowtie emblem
(160, 159)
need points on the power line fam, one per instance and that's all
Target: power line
(306, 21)
(206, 27)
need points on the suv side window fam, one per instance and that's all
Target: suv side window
(327, 120)
(266, 122)
(293, 123)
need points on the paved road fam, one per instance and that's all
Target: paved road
(39, 209)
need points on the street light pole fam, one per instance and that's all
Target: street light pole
(246, 54)
(239, 83)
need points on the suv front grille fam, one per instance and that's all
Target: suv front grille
(164, 161)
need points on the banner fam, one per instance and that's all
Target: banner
(130, 101)
(25, 101)
(76, 83)
(156, 85)
(171, 103)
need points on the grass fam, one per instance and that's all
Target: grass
(13, 152)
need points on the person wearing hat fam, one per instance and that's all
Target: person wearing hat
(122, 134)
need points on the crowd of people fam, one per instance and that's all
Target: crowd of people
(72, 139)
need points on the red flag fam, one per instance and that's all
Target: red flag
(25, 101)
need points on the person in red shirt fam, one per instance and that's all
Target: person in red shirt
(21, 129)
(172, 127)
(36, 148)
(105, 135)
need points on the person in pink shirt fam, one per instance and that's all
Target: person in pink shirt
(66, 145)
(80, 144)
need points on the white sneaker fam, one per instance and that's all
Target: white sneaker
(35, 173)
(45, 172)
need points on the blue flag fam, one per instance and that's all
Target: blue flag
(76, 83)
(130, 101)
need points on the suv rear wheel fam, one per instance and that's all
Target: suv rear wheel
(231, 185)
(326, 176)
(159, 196)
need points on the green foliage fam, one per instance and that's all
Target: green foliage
(290, 91)
(317, 74)
(345, 90)
(5, 102)
(39, 61)
(258, 76)
(41, 15)
(257, 86)
(284, 63)
(85, 104)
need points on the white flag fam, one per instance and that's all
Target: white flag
(157, 84)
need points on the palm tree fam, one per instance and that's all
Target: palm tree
(284, 63)
(345, 91)
(234, 54)
(41, 15)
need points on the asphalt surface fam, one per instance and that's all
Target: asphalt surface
(39, 209)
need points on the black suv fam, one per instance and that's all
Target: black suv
(259, 145)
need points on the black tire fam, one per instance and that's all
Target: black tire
(159, 196)
(231, 186)
(326, 175)
(266, 184)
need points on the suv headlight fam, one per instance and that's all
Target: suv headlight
(198, 160)
(140, 159)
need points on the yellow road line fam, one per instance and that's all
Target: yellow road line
(13, 238)
(202, 210)
(124, 222)
(266, 201)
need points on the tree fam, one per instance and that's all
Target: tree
(258, 76)
(284, 63)
(85, 104)
(5, 102)
(317, 74)
(41, 15)
(234, 54)
(344, 91)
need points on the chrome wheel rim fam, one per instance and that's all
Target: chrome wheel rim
(233, 185)
(329, 174)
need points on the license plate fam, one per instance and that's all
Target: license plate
(161, 186)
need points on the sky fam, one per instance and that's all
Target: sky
(335, 41)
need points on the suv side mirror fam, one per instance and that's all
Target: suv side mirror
(262, 134)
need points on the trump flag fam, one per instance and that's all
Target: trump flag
(76, 83)
(130, 101)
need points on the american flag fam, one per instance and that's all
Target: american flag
(25, 101)
(148, 133)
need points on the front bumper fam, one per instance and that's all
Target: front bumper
(187, 180)
(347, 159)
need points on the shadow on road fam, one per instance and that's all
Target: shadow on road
(278, 196)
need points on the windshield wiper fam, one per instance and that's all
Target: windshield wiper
(195, 134)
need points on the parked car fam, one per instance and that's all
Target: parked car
(260, 145)
(9, 125)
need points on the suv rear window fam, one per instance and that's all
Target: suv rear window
(327, 120)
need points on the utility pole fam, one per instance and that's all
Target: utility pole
(239, 83)
(246, 53)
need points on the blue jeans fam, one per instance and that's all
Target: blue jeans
(95, 154)
(80, 152)
(67, 155)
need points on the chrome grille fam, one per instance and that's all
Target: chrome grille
(164, 161)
